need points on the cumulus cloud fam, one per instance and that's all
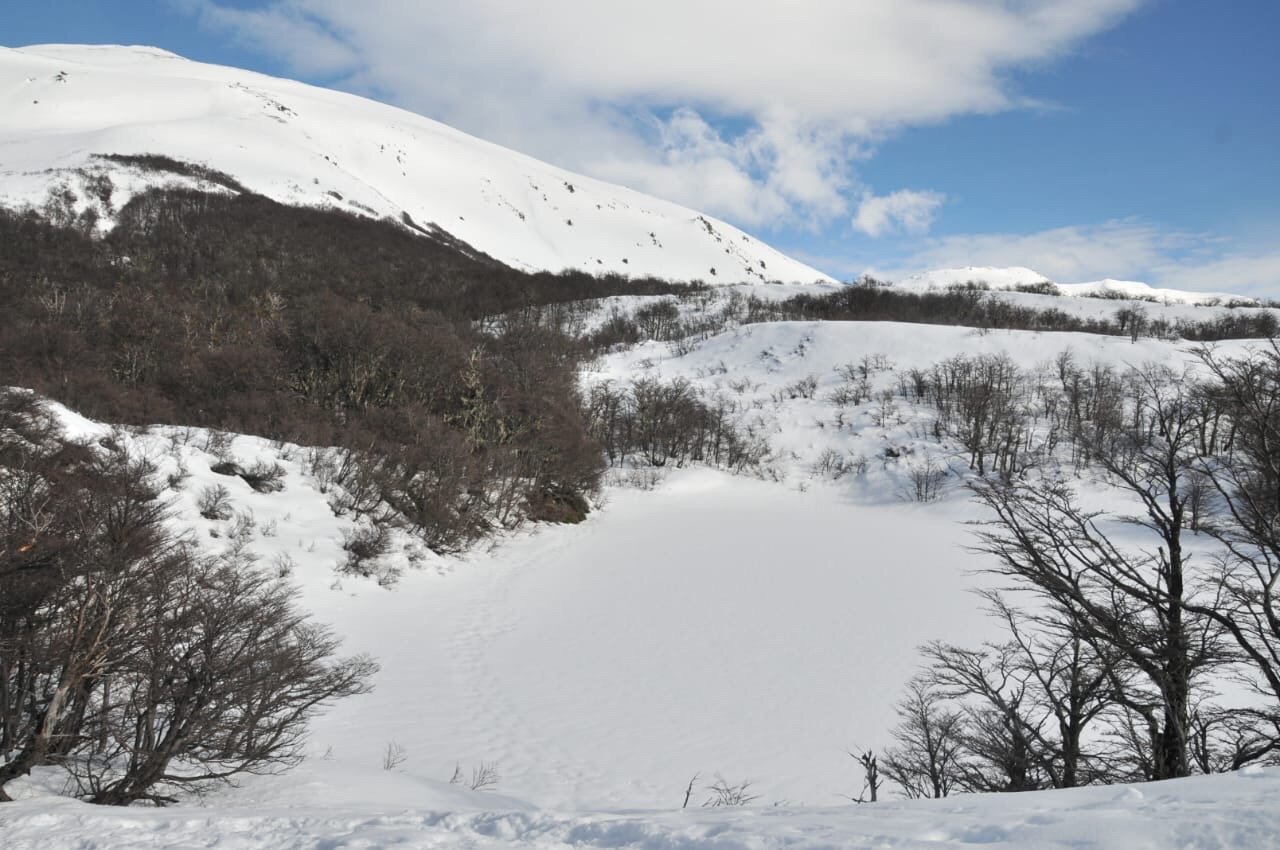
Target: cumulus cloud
(906, 211)
(1067, 254)
(757, 110)
(304, 42)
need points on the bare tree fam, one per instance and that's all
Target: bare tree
(393, 755)
(225, 684)
(1244, 472)
(870, 765)
(1071, 681)
(1133, 603)
(688, 790)
(83, 533)
(925, 761)
(136, 665)
(484, 777)
(1003, 730)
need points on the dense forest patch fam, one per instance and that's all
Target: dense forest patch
(238, 313)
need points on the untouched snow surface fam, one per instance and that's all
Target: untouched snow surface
(1230, 812)
(713, 625)
(65, 106)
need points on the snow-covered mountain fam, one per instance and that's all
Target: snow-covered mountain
(1018, 277)
(66, 108)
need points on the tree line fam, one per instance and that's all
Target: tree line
(873, 301)
(321, 328)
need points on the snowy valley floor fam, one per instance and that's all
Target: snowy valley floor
(713, 626)
(1204, 813)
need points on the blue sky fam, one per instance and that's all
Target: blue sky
(1133, 139)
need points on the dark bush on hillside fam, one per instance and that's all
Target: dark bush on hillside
(365, 544)
(1043, 287)
(167, 165)
(264, 477)
(971, 306)
(125, 658)
(656, 423)
(237, 313)
(214, 502)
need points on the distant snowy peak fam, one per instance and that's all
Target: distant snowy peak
(994, 278)
(1027, 280)
(1144, 292)
(76, 114)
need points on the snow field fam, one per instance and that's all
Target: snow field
(1228, 812)
(715, 625)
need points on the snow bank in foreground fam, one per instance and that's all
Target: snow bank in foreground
(1227, 812)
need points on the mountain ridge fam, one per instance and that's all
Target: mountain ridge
(1002, 278)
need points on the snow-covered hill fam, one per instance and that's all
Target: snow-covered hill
(714, 625)
(1017, 277)
(65, 108)
(754, 628)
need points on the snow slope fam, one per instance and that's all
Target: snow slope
(62, 107)
(754, 629)
(1016, 276)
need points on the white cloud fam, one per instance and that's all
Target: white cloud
(301, 40)
(905, 210)
(757, 110)
(1067, 254)
(1237, 272)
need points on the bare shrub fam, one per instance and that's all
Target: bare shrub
(128, 660)
(927, 480)
(828, 464)
(850, 393)
(725, 793)
(264, 477)
(483, 777)
(322, 466)
(284, 565)
(886, 408)
(214, 502)
(364, 545)
(806, 387)
(858, 465)
(228, 467)
(243, 527)
(836, 465)
(217, 443)
(179, 476)
(393, 755)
